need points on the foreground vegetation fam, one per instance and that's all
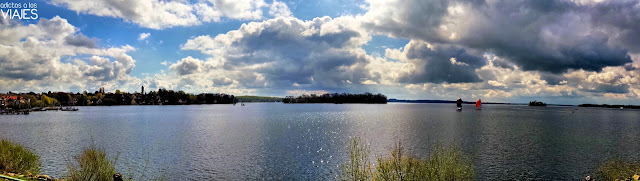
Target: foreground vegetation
(95, 165)
(15, 158)
(444, 163)
(338, 98)
(92, 165)
(618, 169)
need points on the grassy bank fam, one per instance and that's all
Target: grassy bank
(444, 163)
(15, 158)
(93, 164)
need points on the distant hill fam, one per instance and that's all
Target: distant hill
(258, 99)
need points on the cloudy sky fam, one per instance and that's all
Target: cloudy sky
(558, 51)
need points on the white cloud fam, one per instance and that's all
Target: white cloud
(42, 59)
(279, 9)
(187, 66)
(455, 62)
(282, 52)
(158, 14)
(144, 36)
(214, 10)
(152, 14)
(299, 92)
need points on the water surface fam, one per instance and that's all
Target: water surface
(276, 141)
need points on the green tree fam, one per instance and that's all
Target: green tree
(83, 100)
(46, 100)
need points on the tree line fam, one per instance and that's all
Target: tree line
(100, 98)
(338, 98)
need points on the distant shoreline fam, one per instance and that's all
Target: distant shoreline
(467, 102)
(610, 106)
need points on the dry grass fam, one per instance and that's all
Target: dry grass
(618, 169)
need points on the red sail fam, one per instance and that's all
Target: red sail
(478, 103)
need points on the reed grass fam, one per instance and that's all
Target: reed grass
(444, 163)
(92, 165)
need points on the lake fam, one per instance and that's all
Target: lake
(275, 141)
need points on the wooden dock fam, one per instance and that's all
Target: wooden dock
(14, 112)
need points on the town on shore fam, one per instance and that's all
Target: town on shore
(102, 98)
(30, 100)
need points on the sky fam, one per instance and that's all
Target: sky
(557, 51)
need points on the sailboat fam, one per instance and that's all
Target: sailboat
(478, 104)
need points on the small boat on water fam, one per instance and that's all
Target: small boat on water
(478, 105)
(69, 109)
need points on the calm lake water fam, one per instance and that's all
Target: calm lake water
(275, 141)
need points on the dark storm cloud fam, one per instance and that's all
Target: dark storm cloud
(603, 88)
(543, 35)
(588, 53)
(13, 69)
(436, 65)
(623, 15)
(413, 19)
(24, 72)
(518, 30)
(552, 79)
(80, 40)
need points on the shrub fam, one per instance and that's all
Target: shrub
(616, 168)
(358, 167)
(400, 166)
(444, 163)
(15, 158)
(92, 165)
(449, 163)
